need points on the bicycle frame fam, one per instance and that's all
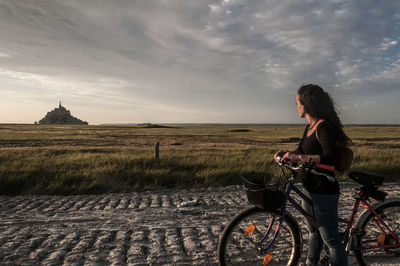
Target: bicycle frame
(347, 234)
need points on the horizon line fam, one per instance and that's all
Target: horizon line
(206, 124)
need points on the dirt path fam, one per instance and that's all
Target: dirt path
(158, 228)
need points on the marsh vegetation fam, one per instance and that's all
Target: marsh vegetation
(41, 159)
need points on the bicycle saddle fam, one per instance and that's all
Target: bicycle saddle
(367, 179)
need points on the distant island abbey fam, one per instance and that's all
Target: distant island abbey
(60, 116)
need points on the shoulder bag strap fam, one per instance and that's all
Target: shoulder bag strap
(316, 134)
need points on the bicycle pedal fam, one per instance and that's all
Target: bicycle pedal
(325, 261)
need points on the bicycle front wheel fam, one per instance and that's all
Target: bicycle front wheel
(377, 246)
(240, 242)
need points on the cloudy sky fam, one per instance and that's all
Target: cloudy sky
(230, 61)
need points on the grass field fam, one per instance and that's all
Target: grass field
(39, 159)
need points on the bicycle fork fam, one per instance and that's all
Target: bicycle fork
(268, 256)
(270, 226)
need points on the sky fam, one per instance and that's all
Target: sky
(198, 61)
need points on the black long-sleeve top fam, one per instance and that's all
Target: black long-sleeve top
(326, 149)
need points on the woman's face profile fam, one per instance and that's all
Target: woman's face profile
(300, 107)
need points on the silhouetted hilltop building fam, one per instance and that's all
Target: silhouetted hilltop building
(61, 116)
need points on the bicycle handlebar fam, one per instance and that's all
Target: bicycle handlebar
(308, 166)
(289, 164)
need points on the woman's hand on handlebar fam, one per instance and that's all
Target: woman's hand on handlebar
(290, 156)
(278, 156)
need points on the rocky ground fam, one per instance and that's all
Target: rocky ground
(159, 228)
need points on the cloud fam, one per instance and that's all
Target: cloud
(387, 43)
(203, 56)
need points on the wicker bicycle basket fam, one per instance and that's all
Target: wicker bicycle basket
(263, 196)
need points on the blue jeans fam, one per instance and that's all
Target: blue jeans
(326, 215)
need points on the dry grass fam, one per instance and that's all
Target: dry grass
(36, 159)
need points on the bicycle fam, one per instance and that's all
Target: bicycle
(268, 234)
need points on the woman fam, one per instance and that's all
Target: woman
(319, 144)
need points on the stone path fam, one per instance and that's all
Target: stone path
(159, 228)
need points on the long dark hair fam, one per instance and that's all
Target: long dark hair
(319, 104)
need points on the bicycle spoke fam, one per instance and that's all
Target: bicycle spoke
(243, 249)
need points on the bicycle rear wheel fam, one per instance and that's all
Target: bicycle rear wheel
(236, 247)
(373, 236)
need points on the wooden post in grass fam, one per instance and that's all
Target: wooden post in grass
(157, 153)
